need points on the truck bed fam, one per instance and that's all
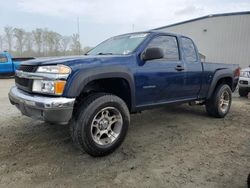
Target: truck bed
(213, 66)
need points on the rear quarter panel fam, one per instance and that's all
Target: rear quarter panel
(212, 69)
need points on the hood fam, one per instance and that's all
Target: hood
(245, 69)
(73, 61)
(58, 60)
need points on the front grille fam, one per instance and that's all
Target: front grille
(27, 68)
(24, 83)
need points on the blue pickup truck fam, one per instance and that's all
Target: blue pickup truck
(9, 65)
(95, 93)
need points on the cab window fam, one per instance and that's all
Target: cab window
(3, 58)
(189, 49)
(169, 46)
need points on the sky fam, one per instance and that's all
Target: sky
(100, 19)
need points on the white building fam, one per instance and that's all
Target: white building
(221, 38)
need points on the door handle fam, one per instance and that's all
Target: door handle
(179, 68)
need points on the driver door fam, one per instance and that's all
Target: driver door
(160, 80)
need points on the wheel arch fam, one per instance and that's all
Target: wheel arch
(221, 76)
(88, 80)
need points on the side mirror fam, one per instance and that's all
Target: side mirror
(152, 53)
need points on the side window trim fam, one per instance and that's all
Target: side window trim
(178, 46)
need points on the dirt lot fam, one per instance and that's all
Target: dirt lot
(166, 147)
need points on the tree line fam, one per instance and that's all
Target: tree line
(39, 42)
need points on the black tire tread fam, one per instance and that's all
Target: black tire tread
(212, 103)
(83, 116)
(73, 121)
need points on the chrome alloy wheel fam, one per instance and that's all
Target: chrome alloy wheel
(224, 101)
(106, 126)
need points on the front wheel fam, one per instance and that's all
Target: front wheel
(101, 125)
(220, 102)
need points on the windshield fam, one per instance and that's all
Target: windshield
(120, 45)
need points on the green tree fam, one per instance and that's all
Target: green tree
(38, 39)
(65, 44)
(8, 37)
(76, 45)
(20, 40)
(1, 43)
(29, 44)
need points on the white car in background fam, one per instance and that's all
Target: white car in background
(244, 82)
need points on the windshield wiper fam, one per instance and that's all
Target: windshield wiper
(108, 53)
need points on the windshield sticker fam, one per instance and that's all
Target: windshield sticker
(138, 36)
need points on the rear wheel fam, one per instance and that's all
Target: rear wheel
(101, 125)
(220, 102)
(243, 92)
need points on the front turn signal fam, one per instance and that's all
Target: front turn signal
(59, 87)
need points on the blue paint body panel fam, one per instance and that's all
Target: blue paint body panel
(151, 83)
(9, 67)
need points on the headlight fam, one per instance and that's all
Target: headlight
(54, 79)
(49, 87)
(244, 74)
(57, 69)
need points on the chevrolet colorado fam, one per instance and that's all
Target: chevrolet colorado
(95, 93)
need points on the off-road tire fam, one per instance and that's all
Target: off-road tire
(80, 126)
(213, 104)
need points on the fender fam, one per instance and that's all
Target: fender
(221, 73)
(80, 79)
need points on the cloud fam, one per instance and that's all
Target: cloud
(142, 13)
(189, 10)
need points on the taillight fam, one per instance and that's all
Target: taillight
(237, 72)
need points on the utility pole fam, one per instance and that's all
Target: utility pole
(78, 32)
(133, 27)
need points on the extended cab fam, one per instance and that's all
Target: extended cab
(9, 65)
(95, 93)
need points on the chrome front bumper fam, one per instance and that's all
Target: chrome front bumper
(50, 109)
(244, 82)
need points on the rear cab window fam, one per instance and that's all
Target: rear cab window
(189, 51)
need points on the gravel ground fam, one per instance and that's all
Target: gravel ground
(176, 146)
